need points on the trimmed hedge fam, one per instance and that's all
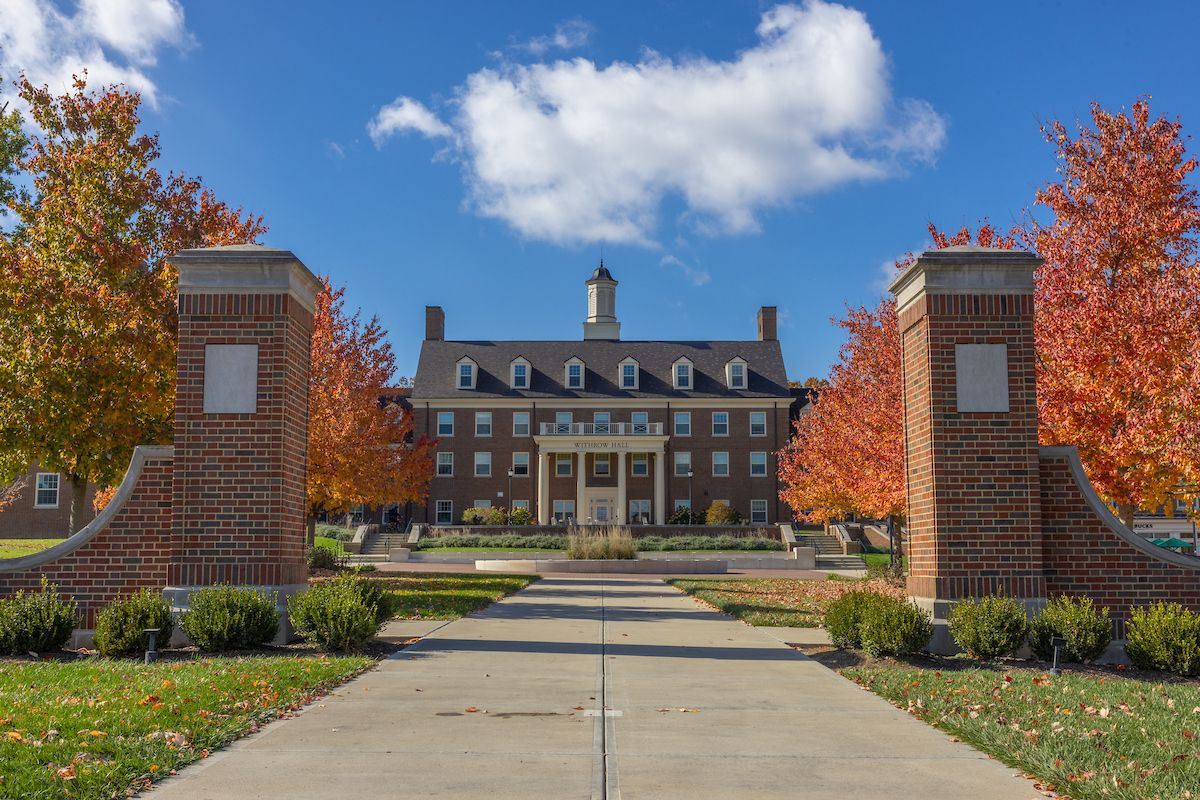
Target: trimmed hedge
(1164, 636)
(844, 616)
(230, 618)
(895, 627)
(342, 614)
(36, 622)
(988, 627)
(120, 626)
(1086, 629)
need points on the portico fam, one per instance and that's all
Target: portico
(612, 441)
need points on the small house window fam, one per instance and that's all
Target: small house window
(683, 423)
(445, 512)
(600, 465)
(683, 376)
(483, 465)
(720, 464)
(562, 464)
(483, 423)
(629, 374)
(758, 512)
(574, 374)
(445, 423)
(466, 376)
(520, 463)
(520, 376)
(735, 373)
(720, 423)
(520, 423)
(640, 464)
(683, 464)
(758, 463)
(640, 422)
(47, 490)
(445, 464)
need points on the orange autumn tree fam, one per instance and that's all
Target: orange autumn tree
(1118, 306)
(87, 299)
(358, 450)
(847, 454)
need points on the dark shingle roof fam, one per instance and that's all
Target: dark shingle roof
(602, 274)
(436, 369)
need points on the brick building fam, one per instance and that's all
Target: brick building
(43, 508)
(600, 428)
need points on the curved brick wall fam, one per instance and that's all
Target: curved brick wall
(127, 546)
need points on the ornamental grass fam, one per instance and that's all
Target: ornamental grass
(600, 542)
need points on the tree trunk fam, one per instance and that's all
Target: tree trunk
(1125, 512)
(311, 538)
(78, 496)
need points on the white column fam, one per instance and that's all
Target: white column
(581, 465)
(543, 497)
(660, 489)
(622, 501)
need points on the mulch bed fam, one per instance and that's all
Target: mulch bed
(837, 659)
(377, 649)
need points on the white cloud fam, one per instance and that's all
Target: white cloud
(698, 277)
(567, 34)
(568, 152)
(49, 46)
(404, 115)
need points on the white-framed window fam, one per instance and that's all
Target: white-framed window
(683, 464)
(629, 370)
(683, 423)
(720, 423)
(639, 464)
(562, 422)
(46, 494)
(483, 465)
(445, 512)
(758, 512)
(445, 465)
(520, 464)
(445, 423)
(520, 423)
(683, 504)
(681, 372)
(564, 509)
(735, 373)
(600, 464)
(639, 419)
(562, 464)
(758, 423)
(518, 374)
(520, 504)
(483, 503)
(758, 463)
(600, 422)
(639, 511)
(465, 371)
(720, 463)
(483, 423)
(573, 373)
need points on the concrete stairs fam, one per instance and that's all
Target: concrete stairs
(377, 546)
(829, 552)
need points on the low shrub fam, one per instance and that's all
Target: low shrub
(338, 532)
(1164, 636)
(477, 516)
(844, 616)
(520, 516)
(989, 627)
(600, 543)
(342, 614)
(1086, 629)
(721, 513)
(685, 516)
(686, 543)
(514, 540)
(35, 622)
(321, 558)
(894, 627)
(230, 617)
(120, 626)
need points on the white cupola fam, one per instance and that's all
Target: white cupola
(601, 321)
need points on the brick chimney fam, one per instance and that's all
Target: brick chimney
(766, 324)
(435, 323)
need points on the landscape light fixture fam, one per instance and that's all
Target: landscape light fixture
(1057, 642)
(151, 655)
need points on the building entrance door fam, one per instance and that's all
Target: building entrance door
(602, 507)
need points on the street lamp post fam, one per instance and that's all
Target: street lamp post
(691, 513)
(511, 472)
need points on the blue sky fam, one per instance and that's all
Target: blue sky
(723, 155)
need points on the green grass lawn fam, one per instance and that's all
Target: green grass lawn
(97, 728)
(882, 560)
(438, 595)
(1088, 738)
(15, 548)
(781, 602)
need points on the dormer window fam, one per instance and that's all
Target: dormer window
(518, 377)
(682, 373)
(736, 373)
(466, 371)
(573, 374)
(628, 372)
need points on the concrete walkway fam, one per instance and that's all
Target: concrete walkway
(575, 688)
